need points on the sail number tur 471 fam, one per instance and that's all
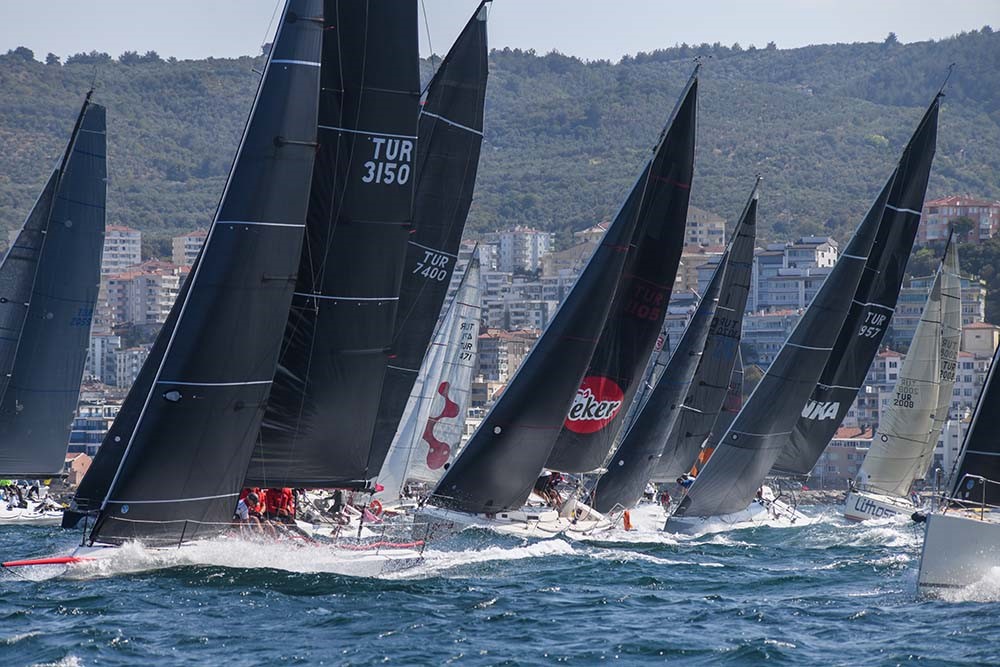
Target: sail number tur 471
(390, 161)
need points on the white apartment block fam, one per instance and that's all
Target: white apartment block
(122, 249)
(186, 248)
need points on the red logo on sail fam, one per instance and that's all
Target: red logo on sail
(597, 402)
(439, 451)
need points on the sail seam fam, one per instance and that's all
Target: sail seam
(172, 500)
(438, 250)
(366, 132)
(876, 305)
(902, 210)
(213, 384)
(807, 347)
(347, 298)
(310, 63)
(261, 224)
(452, 123)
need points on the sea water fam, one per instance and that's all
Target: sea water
(827, 593)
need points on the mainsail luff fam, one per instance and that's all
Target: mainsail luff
(730, 479)
(951, 339)
(183, 466)
(17, 276)
(320, 418)
(640, 303)
(905, 429)
(450, 135)
(431, 428)
(632, 462)
(710, 385)
(872, 308)
(40, 398)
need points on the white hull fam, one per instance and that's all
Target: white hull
(528, 522)
(766, 511)
(30, 516)
(960, 550)
(866, 505)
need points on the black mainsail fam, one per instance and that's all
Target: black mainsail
(710, 386)
(501, 462)
(872, 308)
(320, 417)
(450, 134)
(62, 273)
(632, 463)
(185, 458)
(728, 482)
(640, 303)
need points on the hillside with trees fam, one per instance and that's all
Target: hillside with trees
(565, 138)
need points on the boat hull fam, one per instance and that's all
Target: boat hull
(30, 516)
(765, 511)
(528, 522)
(960, 550)
(866, 505)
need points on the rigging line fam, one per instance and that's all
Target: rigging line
(267, 31)
(427, 27)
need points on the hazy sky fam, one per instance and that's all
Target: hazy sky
(585, 28)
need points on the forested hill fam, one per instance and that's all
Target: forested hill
(564, 138)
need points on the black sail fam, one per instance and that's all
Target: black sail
(321, 413)
(450, 134)
(640, 304)
(17, 277)
(633, 461)
(501, 462)
(872, 308)
(710, 386)
(728, 482)
(980, 455)
(185, 458)
(36, 413)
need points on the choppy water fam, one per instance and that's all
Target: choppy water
(830, 593)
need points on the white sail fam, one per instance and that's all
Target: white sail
(430, 430)
(906, 427)
(951, 339)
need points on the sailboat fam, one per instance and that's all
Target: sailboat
(706, 351)
(434, 419)
(491, 480)
(355, 338)
(172, 465)
(729, 490)
(908, 431)
(962, 538)
(49, 281)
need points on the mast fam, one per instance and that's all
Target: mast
(450, 135)
(632, 462)
(701, 405)
(872, 308)
(640, 302)
(320, 417)
(434, 419)
(54, 269)
(183, 464)
(905, 429)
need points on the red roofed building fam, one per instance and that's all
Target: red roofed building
(938, 214)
